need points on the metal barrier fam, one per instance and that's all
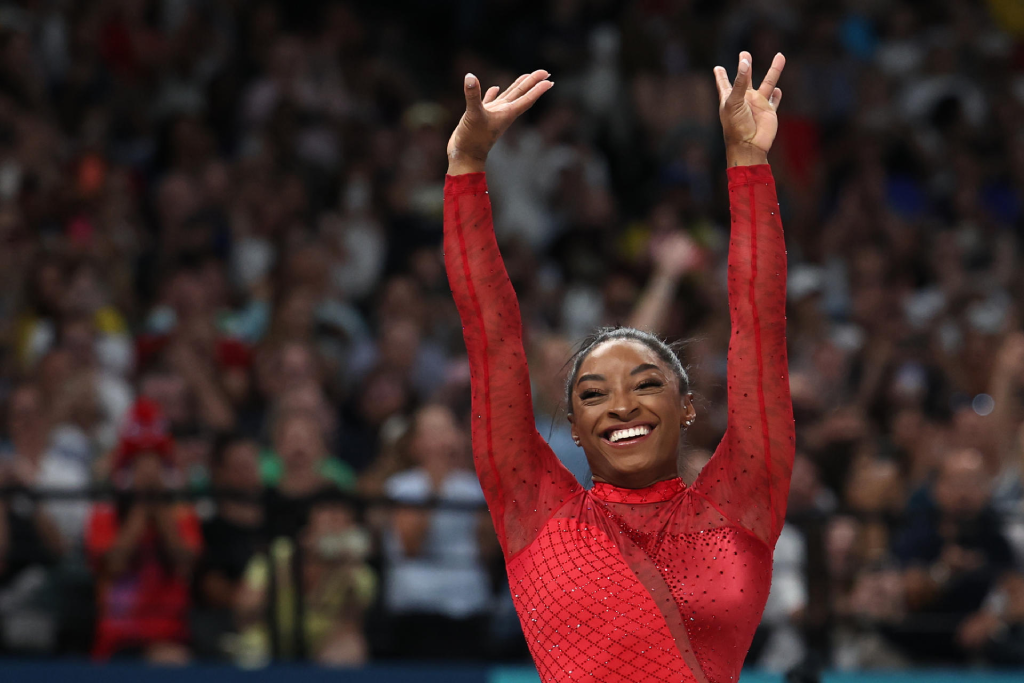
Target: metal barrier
(818, 622)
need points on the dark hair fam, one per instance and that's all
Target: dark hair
(666, 352)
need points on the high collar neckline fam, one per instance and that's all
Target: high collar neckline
(656, 493)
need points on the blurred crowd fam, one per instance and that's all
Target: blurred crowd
(221, 271)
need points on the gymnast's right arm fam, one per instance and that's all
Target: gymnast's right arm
(521, 478)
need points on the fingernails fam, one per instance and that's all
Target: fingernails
(470, 80)
(744, 65)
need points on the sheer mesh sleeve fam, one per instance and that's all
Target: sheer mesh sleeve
(521, 477)
(748, 477)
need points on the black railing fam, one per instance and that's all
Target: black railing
(818, 623)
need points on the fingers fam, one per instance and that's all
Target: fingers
(722, 83)
(771, 79)
(471, 86)
(515, 84)
(491, 93)
(524, 84)
(776, 98)
(742, 82)
(523, 103)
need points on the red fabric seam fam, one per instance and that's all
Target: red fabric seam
(760, 360)
(738, 527)
(471, 291)
(580, 491)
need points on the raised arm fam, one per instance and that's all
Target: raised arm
(748, 477)
(521, 477)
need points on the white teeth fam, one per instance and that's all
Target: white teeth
(620, 434)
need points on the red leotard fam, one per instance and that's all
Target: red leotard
(665, 583)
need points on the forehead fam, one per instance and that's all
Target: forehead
(619, 355)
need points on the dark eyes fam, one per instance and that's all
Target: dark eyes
(646, 384)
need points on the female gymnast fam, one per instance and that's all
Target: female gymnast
(641, 578)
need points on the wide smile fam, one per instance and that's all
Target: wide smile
(623, 437)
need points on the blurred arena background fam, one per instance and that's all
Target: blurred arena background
(224, 318)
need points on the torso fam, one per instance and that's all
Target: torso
(601, 601)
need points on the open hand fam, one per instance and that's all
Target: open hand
(488, 116)
(675, 254)
(748, 117)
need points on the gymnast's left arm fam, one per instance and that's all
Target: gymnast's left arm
(747, 479)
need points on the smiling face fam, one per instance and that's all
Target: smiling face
(627, 412)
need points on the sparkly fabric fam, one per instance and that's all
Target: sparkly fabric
(665, 583)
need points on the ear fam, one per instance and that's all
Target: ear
(687, 412)
(572, 429)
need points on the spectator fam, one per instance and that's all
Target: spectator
(230, 538)
(306, 469)
(31, 540)
(436, 585)
(144, 548)
(335, 587)
(955, 554)
(233, 209)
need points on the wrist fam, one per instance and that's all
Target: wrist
(745, 155)
(664, 279)
(459, 163)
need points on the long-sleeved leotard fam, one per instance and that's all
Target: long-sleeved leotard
(665, 583)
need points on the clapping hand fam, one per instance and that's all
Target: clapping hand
(748, 117)
(488, 116)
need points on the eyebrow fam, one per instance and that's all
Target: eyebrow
(635, 371)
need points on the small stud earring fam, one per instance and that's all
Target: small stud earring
(688, 422)
(576, 440)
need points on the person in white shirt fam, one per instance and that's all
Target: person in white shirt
(436, 586)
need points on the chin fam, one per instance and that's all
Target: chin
(619, 466)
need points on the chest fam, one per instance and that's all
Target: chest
(661, 590)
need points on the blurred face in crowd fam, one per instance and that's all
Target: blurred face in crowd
(297, 365)
(170, 391)
(624, 385)
(185, 293)
(147, 472)
(437, 439)
(84, 294)
(399, 343)
(401, 298)
(962, 488)
(804, 485)
(385, 394)
(26, 419)
(309, 398)
(77, 337)
(299, 443)
(240, 467)
(874, 486)
(295, 316)
(49, 286)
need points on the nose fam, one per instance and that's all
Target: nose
(623, 406)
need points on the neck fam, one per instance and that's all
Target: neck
(300, 483)
(637, 481)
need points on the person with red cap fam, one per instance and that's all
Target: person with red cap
(143, 547)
